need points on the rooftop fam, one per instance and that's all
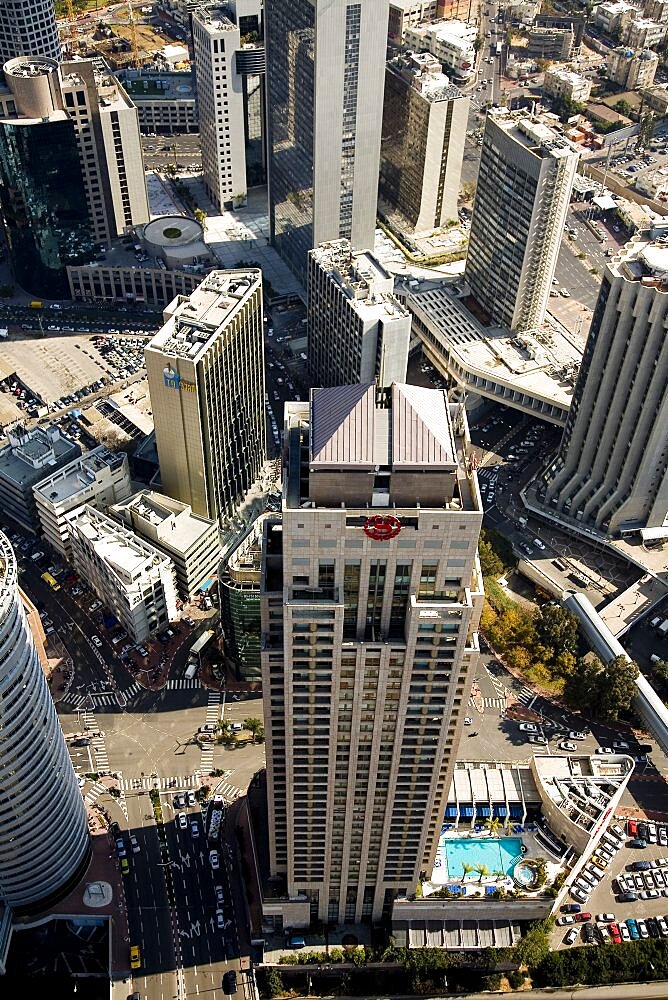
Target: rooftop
(117, 547)
(349, 428)
(643, 260)
(31, 454)
(78, 476)
(446, 30)
(157, 86)
(543, 363)
(423, 72)
(174, 522)
(214, 17)
(197, 320)
(362, 278)
(534, 132)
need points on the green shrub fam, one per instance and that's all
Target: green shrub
(516, 979)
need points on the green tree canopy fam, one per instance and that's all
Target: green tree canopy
(556, 628)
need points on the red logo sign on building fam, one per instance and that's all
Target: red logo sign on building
(382, 527)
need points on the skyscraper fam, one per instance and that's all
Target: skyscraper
(28, 28)
(371, 596)
(206, 380)
(612, 468)
(90, 188)
(524, 188)
(325, 77)
(44, 848)
(216, 42)
(422, 148)
(357, 330)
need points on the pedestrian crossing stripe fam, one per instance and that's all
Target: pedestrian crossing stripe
(183, 684)
(174, 784)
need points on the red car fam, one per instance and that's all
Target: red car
(581, 918)
(614, 933)
(632, 828)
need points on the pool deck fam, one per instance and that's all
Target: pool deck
(471, 885)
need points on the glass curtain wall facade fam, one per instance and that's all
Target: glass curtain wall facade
(290, 43)
(43, 204)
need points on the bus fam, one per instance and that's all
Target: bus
(52, 582)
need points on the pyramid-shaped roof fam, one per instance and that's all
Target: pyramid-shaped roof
(422, 435)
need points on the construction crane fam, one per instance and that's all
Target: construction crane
(134, 44)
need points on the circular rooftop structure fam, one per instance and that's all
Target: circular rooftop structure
(30, 66)
(171, 231)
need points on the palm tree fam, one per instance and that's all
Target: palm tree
(467, 869)
(498, 874)
(493, 824)
(482, 871)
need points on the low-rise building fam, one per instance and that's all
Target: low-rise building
(612, 16)
(152, 286)
(561, 82)
(632, 69)
(132, 578)
(657, 10)
(24, 462)
(99, 478)
(191, 541)
(452, 42)
(408, 14)
(656, 98)
(643, 33)
(550, 43)
(654, 184)
(422, 145)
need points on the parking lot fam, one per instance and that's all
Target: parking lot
(605, 899)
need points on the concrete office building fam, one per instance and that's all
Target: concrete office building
(325, 77)
(405, 14)
(371, 599)
(189, 540)
(45, 847)
(131, 578)
(422, 145)
(357, 330)
(612, 468)
(28, 28)
(24, 462)
(521, 201)
(206, 380)
(561, 82)
(451, 41)
(100, 477)
(90, 189)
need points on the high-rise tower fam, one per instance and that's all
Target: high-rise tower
(206, 380)
(44, 847)
(371, 597)
(524, 189)
(28, 28)
(612, 468)
(325, 80)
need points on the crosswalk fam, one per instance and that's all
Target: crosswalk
(183, 684)
(497, 703)
(526, 696)
(94, 793)
(229, 792)
(96, 742)
(134, 689)
(175, 784)
(212, 717)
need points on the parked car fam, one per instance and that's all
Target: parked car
(565, 920)
(571, 936)
(183, 821)
(605, 918)
(581, 918)
(640, 844)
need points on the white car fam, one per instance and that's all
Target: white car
(96, 641)
(642, 928)
(538, 740)
(564, 921)
(528, 727)
(537, 542)
(134, 844)
(183, 821)
(604, 750)
(605, 918)
(468, 721)
(568, 746)
(214, 860)
(620, 745)
(577, 736)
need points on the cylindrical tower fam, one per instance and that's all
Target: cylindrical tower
(28, 28)
(35, 85)
(44, 842)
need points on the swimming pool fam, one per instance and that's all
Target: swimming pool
(497, 853)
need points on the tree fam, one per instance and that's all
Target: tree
(623, 107)
(490, 563)
(200, 216)
(498, 874)
(467, 869)
(534, 947)
(582, 684)
(493, 824)
(478, 43)
(556, 628)
(468, 190)
(256, 728)
(482, 870)
(617, 687)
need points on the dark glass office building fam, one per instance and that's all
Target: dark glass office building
(43, 204)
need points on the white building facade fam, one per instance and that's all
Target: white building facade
(132, 579)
